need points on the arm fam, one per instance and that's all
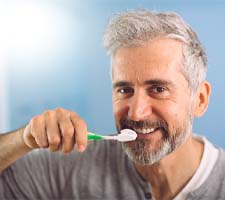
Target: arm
(57, 130)
(12, 147)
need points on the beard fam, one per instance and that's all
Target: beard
(144, 151)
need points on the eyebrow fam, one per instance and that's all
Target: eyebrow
(121, 84)
(159, 82)
(148, 82)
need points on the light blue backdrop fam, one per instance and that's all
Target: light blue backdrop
(77, 76)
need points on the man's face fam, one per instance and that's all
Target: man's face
(152, 97)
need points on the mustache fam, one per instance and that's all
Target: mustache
(131, 124)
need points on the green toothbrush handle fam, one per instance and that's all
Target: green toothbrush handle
(92, 136)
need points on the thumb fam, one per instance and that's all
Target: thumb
(28, 138)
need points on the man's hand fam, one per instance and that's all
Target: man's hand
(57, 129)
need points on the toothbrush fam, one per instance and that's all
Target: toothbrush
(124, 136)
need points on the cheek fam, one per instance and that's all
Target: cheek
(172, 113)
(176, 116)
(119, 110)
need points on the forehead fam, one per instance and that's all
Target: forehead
(160, 58)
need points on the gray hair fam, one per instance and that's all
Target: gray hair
(134, 28)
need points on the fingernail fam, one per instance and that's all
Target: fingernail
(80, 147)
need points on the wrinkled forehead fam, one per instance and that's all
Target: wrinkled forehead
(159, 58)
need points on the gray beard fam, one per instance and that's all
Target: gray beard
(140, 152)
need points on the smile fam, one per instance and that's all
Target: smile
(144, 130)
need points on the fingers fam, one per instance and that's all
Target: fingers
(28, 138)
(67, 131)
(52, 130)
(37, 129)
(57, 129)
(81, 132)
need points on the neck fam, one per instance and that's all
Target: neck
(172, 173)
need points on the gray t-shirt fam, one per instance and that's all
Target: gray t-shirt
(103, 171)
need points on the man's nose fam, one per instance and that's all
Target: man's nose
(140, 107)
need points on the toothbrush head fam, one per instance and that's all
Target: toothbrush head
(126, 135)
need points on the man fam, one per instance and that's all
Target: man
(159, 86)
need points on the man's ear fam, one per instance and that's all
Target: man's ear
(201, 100)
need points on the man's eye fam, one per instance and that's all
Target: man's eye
(125, 90)
(158, 89)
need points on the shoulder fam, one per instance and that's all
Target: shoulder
(95, 151)
(217, 175)
(215, 181)
(106, 151)
(43, 158)
(221, 160)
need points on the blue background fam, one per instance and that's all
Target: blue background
(76, 75)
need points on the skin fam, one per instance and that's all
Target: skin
(56, 130)
(149, 84)
(59, 129)
(158, 61)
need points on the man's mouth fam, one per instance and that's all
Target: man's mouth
(144, 130)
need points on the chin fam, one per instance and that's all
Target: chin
(148, 152)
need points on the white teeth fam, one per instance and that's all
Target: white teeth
(145, 130)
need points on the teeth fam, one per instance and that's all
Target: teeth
(145, 130)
